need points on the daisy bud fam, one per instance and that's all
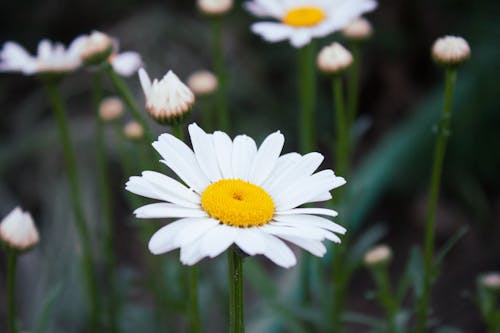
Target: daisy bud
(202, 83)
(18, 231)
(358, 30)
(377, 256)
(215, 7)
(169, 100)
(334, 59)
(491, 281)
(451, 51)
(111, 108)
(97, 48)
(133, 130)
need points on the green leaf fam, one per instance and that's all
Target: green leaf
(47, 310)
(416, 270)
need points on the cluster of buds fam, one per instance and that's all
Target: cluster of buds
(18, 231)
(334, 59)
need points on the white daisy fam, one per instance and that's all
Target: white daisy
(236, 193)
(50, 58)
(302, 20)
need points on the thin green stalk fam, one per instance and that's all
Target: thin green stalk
(77, 201)
(107, 215)
(342, 139)
(235, 263)
(223, 120)
(129, 100)
(11, 290)
(194, 312)
(439, 153)
(178, 131)
(385, 296)
(353, 78)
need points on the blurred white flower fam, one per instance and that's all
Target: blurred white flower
(302, 20)
(215, 7)
(491, 281)
(451, 50)
(126, 63)
(202, 83)
(18, 230)
(167, 100)
(358, 30)
(97, 48)
(111, 108)
(334, 59)
(133, 130)
(378, 255)
(50, 57)
(236, 193)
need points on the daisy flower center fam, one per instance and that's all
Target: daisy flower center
(304, 16)
(238, 203)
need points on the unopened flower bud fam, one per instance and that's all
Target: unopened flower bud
(111, 108)
(378, 255)
(491, 281)
(451, 51)
(133, 130)
(358, 30)
(97, 48)
(215, 7)
(169, 100)
(18, 231)
(202, 83)
(334, 59)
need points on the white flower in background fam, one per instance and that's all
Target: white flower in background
(302, 20)
(334, 59)
(358, 30)
(133, 130)
(50, 57)
(111, 108)
(491, 281)
(167, 100)
(451, 50)
(126, 63)
(18, 230)
(215, 7)
(97, 48)
(236, 193)
(202, 83)
(378, 255)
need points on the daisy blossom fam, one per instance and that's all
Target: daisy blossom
(236, 193)
(302, 20)
(50, 57)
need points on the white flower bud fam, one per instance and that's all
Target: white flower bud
(133, 130)
(334, 59)
(378, 255)
(202, 83)
(169, 100)
(215, 7)
(358, 30)
(111, 108)
(491, 281)
(97, 48)
(451, 51)
(18, 230)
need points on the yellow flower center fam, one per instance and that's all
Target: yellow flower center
(304, 16)
(238, 203)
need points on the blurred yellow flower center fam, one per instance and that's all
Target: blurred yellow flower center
(238, 203)
(304, 16)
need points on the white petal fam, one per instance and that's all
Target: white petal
(178, 157)
(300, 38)
(194, 231)
(272, 31)
(204, 150)
(166, 210)
(309, 221)
(217, 240)
(163, 240)
(315, 211)
(284, 162)
(191, 254)
(314, 247)
(224, 150)
(266, 158)
(244, 151)
(126, 63)
(279, 229)
(250, 241)
(145, 81)
(278, 252)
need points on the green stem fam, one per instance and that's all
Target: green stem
(439, 152)
(105, 190)
(76, 200)
(129, 100)
(194, 312)
(342, 140)
(223, 120)
(307, 84)
(11, 291)
(178, 131)
(235, 263)
(385, 296)
(353, 78)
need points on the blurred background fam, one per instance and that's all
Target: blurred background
(401, 98)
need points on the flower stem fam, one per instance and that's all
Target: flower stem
(385, 296)
(76, 200)
(178, 131)
(235, 263)
(342, 140)
(353, 81)
(223, 120)
(194, 312)
(11, 290)
(307, 84)
(439, 152)
(105, 190)
(125, 93)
